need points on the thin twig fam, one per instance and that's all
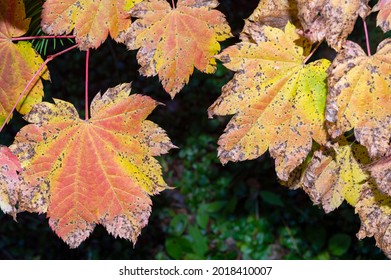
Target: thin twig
(312, 52)
(86, 84)
(367, 37)
(42, 37)
(48, 59)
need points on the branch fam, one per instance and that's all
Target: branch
(43, 37)
(86, 84)
(312, 52)
(367, 37)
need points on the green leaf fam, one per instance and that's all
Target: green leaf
(213, 207)
(178, 224)
(200, 242)
(202, 219)
(177, 247)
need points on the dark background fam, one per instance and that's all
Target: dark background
(237, 211)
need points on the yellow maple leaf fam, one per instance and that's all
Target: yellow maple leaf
(91, 20)
(100, 171)
(275, 13)
(360, 96)
(381, 172)
(18, 62)
(374, 210)
(277, 100)
(330, 19)
(335, 175)
(172, 41)
(340, 173)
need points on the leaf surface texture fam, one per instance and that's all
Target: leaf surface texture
(360, 96)
(172, 41)
(9, 180)
(90, 20)
(277, 101)
(18, 62)
(100, 171)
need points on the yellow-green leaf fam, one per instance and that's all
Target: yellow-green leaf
(18, 62)
(277, 100)
(335, 175)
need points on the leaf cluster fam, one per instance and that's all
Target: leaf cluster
(327, 124)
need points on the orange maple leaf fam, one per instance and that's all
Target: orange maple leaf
(384, 16)
(97, 171)
(173, 41)
(92, 21)
(18, 62)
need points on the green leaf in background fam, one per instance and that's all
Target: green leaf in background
(271, 198)
(339, 244)
(213, 207)
(177, 247)
(323, 256)
(200, 242)
(202, 219)
(178, 224)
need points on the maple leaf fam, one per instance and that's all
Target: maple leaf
(275, 13)
(384, 16)
(172, 41)
(335, 175)
(97, 171)
(278, 102)
(91, 20)
(19, 62)
(381, 172)
(360, 96)
(9, 180)
(374, 210)
(330, 19)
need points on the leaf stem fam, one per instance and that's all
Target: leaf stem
(86, 84)
(312, 52)
(367, 37)
(48, 59)
(43, 37)
(173, 4)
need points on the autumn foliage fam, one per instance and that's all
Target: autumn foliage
(327, 124)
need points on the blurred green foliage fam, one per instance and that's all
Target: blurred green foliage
(237, 211)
